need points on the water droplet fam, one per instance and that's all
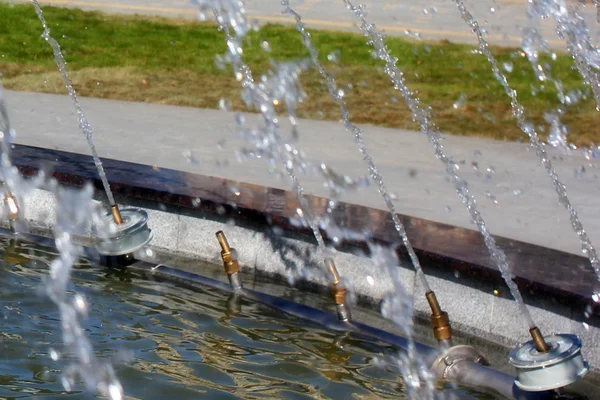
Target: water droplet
(517, 192)
(67, 383)
(370, 280)
(115, 391)
(190, 157)
(224, 104)
(54, 355)
(508, 66)
(490, 196)
(334, 56)
(266, 46)
(80, 304)
(596, 297)
(460, 103)
(340, 93)
(240, 119)
(475, 166)
(492, 10)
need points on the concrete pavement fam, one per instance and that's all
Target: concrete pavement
(514, 193)
(432, 19)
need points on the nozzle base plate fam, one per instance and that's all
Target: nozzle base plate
(560, 366)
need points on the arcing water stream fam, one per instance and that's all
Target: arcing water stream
(338, 96)
(422, 117)
(518, 112)
(75, 212)
(281, 86)
(84, 124)
(264, 95)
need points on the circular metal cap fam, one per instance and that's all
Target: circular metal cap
(539, 371)
(131, 235)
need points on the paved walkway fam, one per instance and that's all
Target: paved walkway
(526, 208)
(433, 19)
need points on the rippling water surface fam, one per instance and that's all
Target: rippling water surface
(181, 343)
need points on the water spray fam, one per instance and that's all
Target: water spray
(439, 318)
(552, 362)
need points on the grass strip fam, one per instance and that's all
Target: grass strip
(170, 61)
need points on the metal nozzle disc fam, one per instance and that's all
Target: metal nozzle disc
(131, 235)
(558, 367)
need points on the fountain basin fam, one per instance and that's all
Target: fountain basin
(174, 340)
(186, 209)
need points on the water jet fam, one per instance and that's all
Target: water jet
(543, 364)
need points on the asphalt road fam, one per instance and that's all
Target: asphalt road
(432, 19)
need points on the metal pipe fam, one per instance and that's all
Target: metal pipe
(297, 310)
(488, 380)
(466, 371)
(463, 370)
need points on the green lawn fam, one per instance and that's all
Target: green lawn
(173, 62)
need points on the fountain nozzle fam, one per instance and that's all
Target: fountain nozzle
(338, 292)
(439, 319)
(230, 263)
(114, 209)
(548, 363)
(538, 339)
(131, 233)
(11, 204)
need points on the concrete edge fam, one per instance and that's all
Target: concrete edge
(475, 308)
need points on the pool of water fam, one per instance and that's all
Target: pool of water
(179, 343)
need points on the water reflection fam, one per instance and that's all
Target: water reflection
(183, 344)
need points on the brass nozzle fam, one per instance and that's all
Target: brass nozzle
(227, 254)
(335, 276)
(338, 291)
(11, 204)
(439, 318)
(538, 339)
(116, 214)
